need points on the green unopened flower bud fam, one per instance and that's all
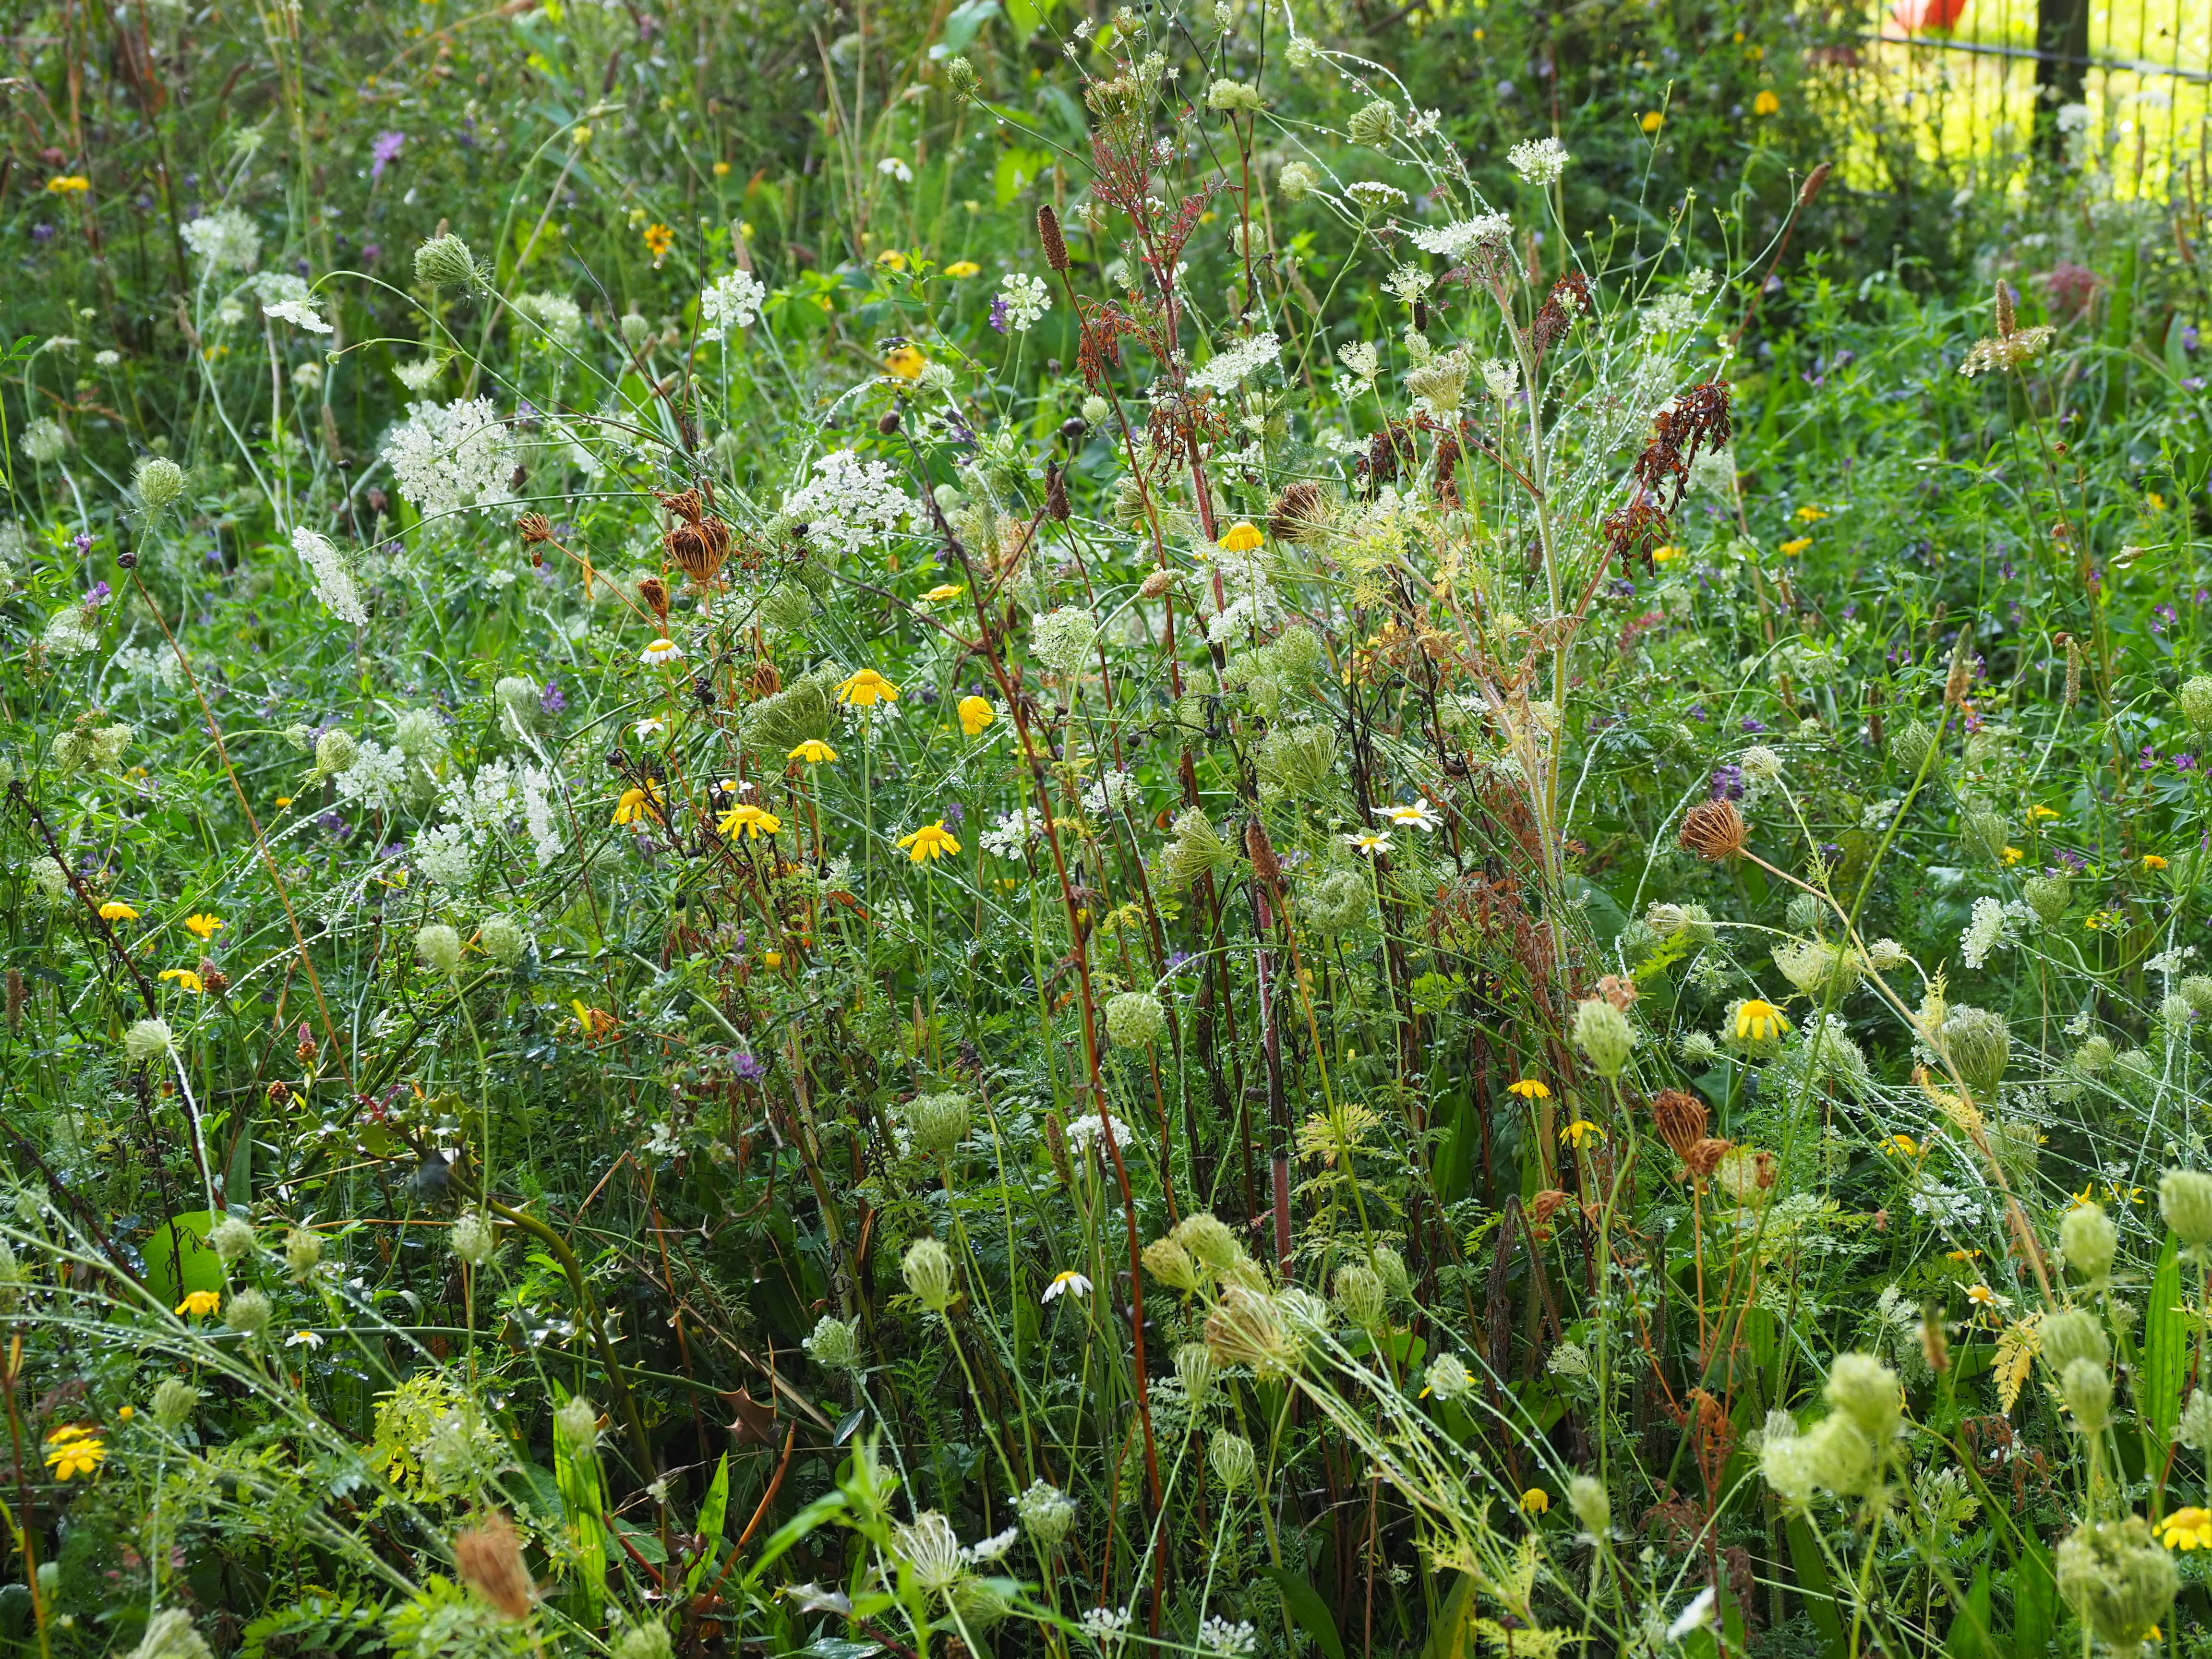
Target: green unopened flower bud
(960, 79)
(335, 752)
(1982, 830)
(2184, 1199)
(472, 1238)
(1836, 1456)
(835, 1345)
(1359, 1296)
(1867, 1391)
(170, 1635)
(1167, 1260)
(303, 1251)
(1134, 1019)
(1696, 1047)
(927, 1265)
(577, 1423)
(1447, 1377)
(2196, 990)
(635, 330)
(1390, 1267)
(2048, 896)
(149, 1041)
(2089, 1240)
(1605, 1036)
(2118, 1580)
(1373, 125)
(446, 261)
(158, 483)
(1913, 744)
(174, 1402)
(1232, 1459)
(1586, 1497)
(2194, 1431)
(2195, 701)
(2074, 1333)
(505, 940)
(231, 1239)
(1209, 1240)
(2087, 1388)
(1234, 98)
(646, 1639)
(1193, 1364)
(2173, 1011)
(1979, 1043)
(248, 1314)
(1296, 180)
(1046, 1514)
(2095, 1055)
(935, 1124)
(439, 948)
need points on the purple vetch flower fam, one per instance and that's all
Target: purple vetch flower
(1727, 783)
(42, 234)
(2162, 615)
(2189, 336)
(2192, 383)
(1698, 712)
(101, 591)
(549, 699)
(955, 815)
(384, 151)
(2149, 761)
(746, 1069)
(998, 312)
(84, 541)
(2185, 763)
(1753, 724)
(1178, 960)
(368, 253)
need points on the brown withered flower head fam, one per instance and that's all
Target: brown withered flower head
(1049, 236)
(1688, 422)
(1705, 1155)
(1545, 1205)
(490, 1557)
(1619, 990)
(1156, 584)
(534, 527)
(1681, 1118)
(654, 592)
(1568, 300)
(1300, 513)
(1715, 829)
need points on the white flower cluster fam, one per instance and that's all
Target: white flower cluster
(1540, 161)
(44, 439)
(1231, 1641)
(729, 303)
(1462, 237)
(850, 502)
(1109, 792)
(1027, 301)
(224, 240)
(448, 457)
(1228, 368)
(1984, 933)
(333, 582)
(419, 376)
(1670, 313)
(1009, 834)
(1359, 357)
(1085, 1130)
(377, 778)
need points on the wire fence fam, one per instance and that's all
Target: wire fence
(1958, 80)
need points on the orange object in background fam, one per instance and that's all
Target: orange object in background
(1928, 16)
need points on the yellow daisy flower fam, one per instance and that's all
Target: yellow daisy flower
(932, 840)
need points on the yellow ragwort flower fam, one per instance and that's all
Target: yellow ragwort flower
(1535, 1501)
(2152, 861)
(932, 840)
(2012, 855)
(74, 1450)
(1758, 1020)
(865, 687)
(975, 714)
(1796, 544)
(197, 1304)
(633, 807)
(204, 924)
(1579, 1133)
(1901, 1146)
(659, 239)
(943, 592)
(2189, 1528)
(962, 268)
(750, 821)
(1529, 1088)
(68, 184)
(906, 363)
(1653, 120)
(813, 751)
(1243, 537)
(186, 977)
(117, 910)
(1765, 104)
(892, 259)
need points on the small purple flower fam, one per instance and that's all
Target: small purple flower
(746, 1069)
(1727, 783)
(384, 151)
(1850, 609)
(42, 234)
(392, 850)
(955, 815)
(2160, 616)
(549, 699)
(1751, 724)
(2192, 383)
(2149, 761)
(99, 594)
(368, 253)
(1179, 960)
(84, 540)
(2073, 861)
(2185, 763)
(2189, 336)
(998, 312)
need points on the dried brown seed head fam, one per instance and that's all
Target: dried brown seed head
(1705, 1155)
(1056, 245)
(1715, 829)
(1680, 1119)
(534, 528)
(489, 1557)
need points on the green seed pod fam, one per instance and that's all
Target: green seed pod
(1982, 832)
(2196, 991)
(2196, 700)
(2194, 1431)
(1867, 1391)
(2072, 1334)
(472, 1238)
(961, 80)
(1296, 180)
(2087, 1388)
(835, 1345)
(1448, 1379)
(935, 1124)
(646, 1639)
(2048, 896)
(335, 752)
(2095, 1055)
(1209, 1240)
(248, 1315)
(1803, 912)
(927, 1266)
(1173, 1265)
(231, 1239)
(303, 1252)
(446, 261)
(577, 1422)
(1373, 125)
(1359, 1297)
(1837, 1457)
(2184, 1199)
(1390, 1267)
(1979, 1043)
(1913, 745)
(174, 1402)
(1338, 902)
(439, 949)
(1135, 1019)
(159, 484)
(1587, 1497)
(2089, 1242)
(504, 940)
(787, 608)
(1047, 1514)
(1193, 1364)
(1605, 1036)
(1296, 762)
(2118, 1580)
(1234, 1464)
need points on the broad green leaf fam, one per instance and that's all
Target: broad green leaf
(178, 1260)
(2166, 1345)
(798, 1527)
(712, 1514)
(1307, 1608)
(1813, 1590)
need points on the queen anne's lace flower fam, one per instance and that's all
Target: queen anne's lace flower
(1985, 931)
(1540, 161)
(1228, 368)
(448, 457)
(1026, 300)
(849, 503)
(224, 240)
(1460, 238)
(729, 303)
(333, 582)
(377, 777)
(556, 313)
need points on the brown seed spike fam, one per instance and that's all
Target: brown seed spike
(490, 1557)
(1262, 852)
(1714, 830)
(2008, 324)
(1056, 245)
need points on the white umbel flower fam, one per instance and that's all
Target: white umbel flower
(728, 304)
(1229, 366)
(224, 240)
(333, 582)
(1540, 161)
(448, 457)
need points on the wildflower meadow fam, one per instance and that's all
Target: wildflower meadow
(1221, 830)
